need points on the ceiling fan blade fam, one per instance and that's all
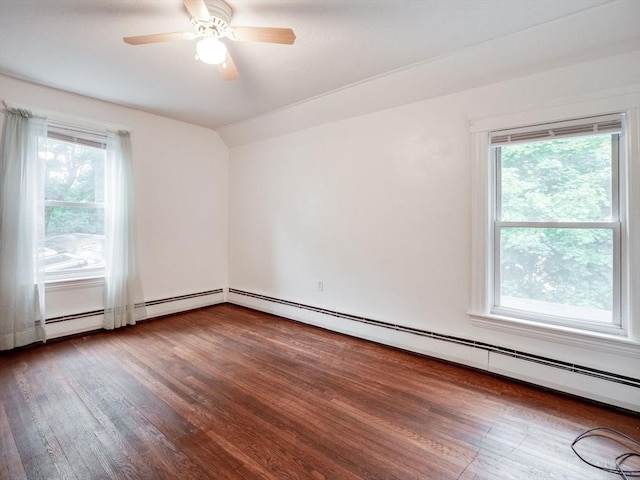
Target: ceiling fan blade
(264, 34)
(197, 9)
(228, 69)
(159, 37)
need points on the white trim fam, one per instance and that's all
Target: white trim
(482, 206)
(591, 340)
(601, 103)
(73, 284)
(625, 101)
(630, 236)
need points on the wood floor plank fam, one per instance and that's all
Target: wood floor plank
(230, 393)
(59, 456)
(114, 419)
(26, 429)
(65, 416)
(10, 463)
(276, 390)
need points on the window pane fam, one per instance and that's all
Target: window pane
(74, 238)
(557, 180)
(74, 173)
(562, 272)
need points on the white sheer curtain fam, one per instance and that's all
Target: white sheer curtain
(122, 280)
(22, 229)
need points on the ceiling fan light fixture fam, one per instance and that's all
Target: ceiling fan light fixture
(211, 22)
(211, 50)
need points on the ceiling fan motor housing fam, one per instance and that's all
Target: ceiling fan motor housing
(218, 22)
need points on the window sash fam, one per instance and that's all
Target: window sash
(90, 138)
(498, 309)
(497, 139)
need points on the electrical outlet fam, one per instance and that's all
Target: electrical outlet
(320, 285)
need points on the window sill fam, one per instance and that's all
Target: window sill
(559, 334)
(74, 283)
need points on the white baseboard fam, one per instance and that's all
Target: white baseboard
(178, 304)
(483, 357)
(532, 370)
(91, 321)
(74, 326)
(600, 390)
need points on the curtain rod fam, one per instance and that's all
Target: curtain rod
(62, 119)
(21, 111)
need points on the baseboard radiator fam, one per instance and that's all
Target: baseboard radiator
(63, 325)
(611, 388)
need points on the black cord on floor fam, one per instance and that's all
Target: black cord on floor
(619, 460)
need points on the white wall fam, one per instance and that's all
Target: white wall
(378, 208)
(375, 206)
(181, 179)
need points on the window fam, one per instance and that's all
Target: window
(74, 203)
(556, 224)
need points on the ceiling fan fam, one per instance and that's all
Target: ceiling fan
(211, 23)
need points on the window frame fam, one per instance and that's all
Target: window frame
(80, 136)
(614, 224)
(627, 338)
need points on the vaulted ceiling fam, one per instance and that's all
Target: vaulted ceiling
(77, 46)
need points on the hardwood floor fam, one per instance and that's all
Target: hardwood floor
(230, 393)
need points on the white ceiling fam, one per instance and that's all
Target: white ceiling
(76, 46)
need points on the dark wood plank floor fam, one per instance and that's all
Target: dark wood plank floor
(230, 393)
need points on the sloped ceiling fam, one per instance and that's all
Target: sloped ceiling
(76, 46)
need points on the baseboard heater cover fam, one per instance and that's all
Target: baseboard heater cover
(592, 372)
(149, 303)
